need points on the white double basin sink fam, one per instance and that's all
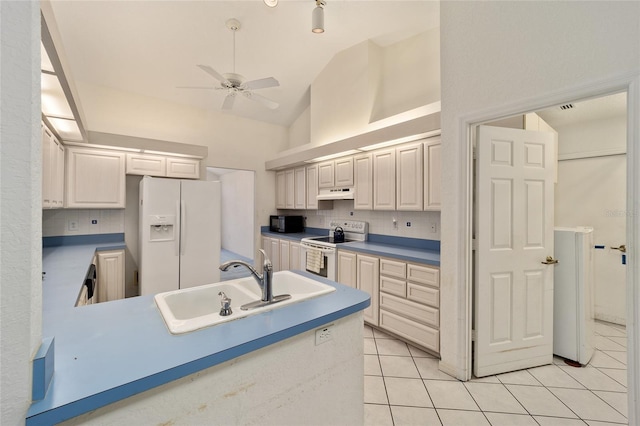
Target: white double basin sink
(198, 307)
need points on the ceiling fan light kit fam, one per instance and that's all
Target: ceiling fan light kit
(235, 83)
(317, 17)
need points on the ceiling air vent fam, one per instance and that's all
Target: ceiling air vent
(566, 107)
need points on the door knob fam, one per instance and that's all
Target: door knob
(549, 261)
(622, 248)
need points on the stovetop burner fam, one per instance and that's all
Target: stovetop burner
(330, 240)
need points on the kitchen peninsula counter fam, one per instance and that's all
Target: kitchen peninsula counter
(108, 352)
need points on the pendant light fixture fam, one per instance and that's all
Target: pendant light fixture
(317, 17)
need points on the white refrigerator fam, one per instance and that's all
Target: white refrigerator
(179, 234)
(573, 303)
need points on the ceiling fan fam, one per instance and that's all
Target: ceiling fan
(235, 84)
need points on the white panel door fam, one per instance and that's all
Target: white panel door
(199, 233)
(514, 233)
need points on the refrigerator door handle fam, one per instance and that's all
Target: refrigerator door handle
(183, 227)
(178, 234)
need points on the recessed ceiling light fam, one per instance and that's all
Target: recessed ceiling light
(271, 3)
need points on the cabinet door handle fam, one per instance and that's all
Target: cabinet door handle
(549, 261)
(622, 248)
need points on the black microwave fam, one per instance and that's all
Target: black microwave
(286, 224)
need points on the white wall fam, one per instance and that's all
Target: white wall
(379, 222)
(592, 192)
(300, 129)
(233, 142)
(367, 82)
(238, 189)
(21, 204)
(56, 222)
(495, 54)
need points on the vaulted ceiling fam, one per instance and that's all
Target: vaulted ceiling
(152, 47)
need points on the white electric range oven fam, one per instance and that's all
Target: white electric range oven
(319, 255)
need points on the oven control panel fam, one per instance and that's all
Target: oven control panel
(351, 226)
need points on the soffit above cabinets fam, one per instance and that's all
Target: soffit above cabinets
(59, 109)
(412, 125)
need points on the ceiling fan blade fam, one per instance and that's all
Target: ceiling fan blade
(262, 83)
(261, 99)
(215, 74)
(228, 101)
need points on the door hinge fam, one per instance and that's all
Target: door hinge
(474, 244)
(474, 335)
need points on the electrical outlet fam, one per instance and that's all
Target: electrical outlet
(324, 334)
(434, 227)
(73, 225)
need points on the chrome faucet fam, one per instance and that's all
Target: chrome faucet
(264, 281)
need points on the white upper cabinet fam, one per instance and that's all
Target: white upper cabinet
(289, 182)
(299, 188)
(409, 178)
(146, 164)
(363, 180)
(184, 168)
(281, 190)
(325, 175)
(384, 179)
(52, 170)
(163, 166)
(343, 173)
(312, 187)
(432, 172)
(95, 178)
(336, 173)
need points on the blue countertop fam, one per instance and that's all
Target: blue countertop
(408, 254)
(407, 249)
(110, 351)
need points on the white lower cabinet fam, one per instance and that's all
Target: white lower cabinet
(346, 273)
(284, 254)
(410, 301)
(294, 255)
(110, 275)
(405, 297)
(367, 279)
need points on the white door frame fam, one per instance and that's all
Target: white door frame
(629, 83)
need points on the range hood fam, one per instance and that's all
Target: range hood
(336, 194)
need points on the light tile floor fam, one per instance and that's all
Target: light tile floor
(403, 386)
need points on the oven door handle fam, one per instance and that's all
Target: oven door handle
(321, 249)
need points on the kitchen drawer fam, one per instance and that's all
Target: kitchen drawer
(423, 275)
(392, 268)
(412, 310)
(393, 286)
(423, 294)
(422, 335)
